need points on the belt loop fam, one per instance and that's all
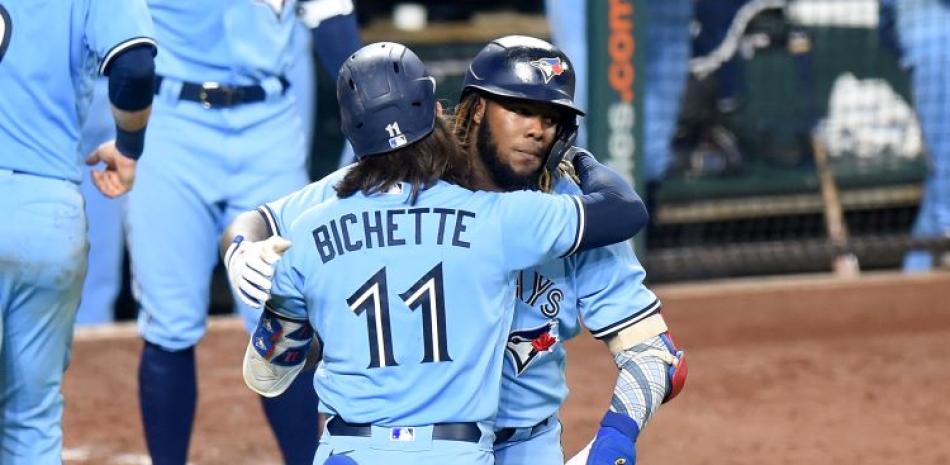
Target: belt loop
(168, 89)
(274, 87)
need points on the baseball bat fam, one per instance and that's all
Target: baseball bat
(844, 264)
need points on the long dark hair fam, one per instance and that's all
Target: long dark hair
(422, 163)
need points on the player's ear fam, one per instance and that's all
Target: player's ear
(479, 111)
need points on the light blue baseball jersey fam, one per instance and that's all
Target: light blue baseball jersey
(413, 302)
(600, 288)
(47, 69)
(280, 213)
(237, 42)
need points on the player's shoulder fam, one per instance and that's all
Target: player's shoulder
(323, 188)
(311, 216)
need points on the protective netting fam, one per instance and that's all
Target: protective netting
(769, 79)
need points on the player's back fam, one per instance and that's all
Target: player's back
(49, 54)
(413, 303)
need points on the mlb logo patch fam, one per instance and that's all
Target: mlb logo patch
(398, 141)
(549, 67)
(404, 434)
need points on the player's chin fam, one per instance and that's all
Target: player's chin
(526, 166)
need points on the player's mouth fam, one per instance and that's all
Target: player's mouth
(528, 156)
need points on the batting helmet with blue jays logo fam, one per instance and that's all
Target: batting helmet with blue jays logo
(387, 99)
(528, 68)
(524, 68)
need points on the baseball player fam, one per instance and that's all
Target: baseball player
(226, 136)
(603, 286)
(408, 277)
(50, 53)
(925, 44)
(503, 114)
(104, 215)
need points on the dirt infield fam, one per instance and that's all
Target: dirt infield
(784, 371)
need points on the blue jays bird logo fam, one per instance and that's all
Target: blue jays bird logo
(549, 67)
(524, 346)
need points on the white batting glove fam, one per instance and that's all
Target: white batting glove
(250, 266)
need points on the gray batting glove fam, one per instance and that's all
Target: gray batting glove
(250, 266)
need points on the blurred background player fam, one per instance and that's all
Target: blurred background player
(230, 137)
(925, 41)
(568, 20)
(374, 393)
(42, 107)
(501, 115)
(103, 281)
(106, 232)
(667, 25)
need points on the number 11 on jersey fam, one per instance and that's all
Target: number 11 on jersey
(372, 299)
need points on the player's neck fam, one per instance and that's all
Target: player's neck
(481, 175)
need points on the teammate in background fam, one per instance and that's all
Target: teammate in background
(227, 136)
(667, 24)
(403, 234)
(43, 245)
(568, 24)
(514, 124)
(925, 41)
(106, 239)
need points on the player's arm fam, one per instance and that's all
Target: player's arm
(608, 211)
(652, 371)
(276, 353)
(611, 211)
(335, 31)
(131, 74)
(620, 310)
(277, 349)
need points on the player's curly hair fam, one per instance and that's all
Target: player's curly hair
(435, 157)
(462, 127)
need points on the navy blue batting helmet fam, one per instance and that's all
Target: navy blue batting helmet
(387, 99)
(524, 68)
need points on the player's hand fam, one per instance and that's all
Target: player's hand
(250, 266)
(119, 173)
(585, 167)
(616, 441)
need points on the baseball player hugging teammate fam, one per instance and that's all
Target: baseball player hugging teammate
(514, 132)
